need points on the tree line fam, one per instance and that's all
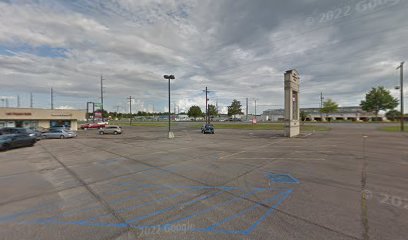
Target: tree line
(376, 100)
(234, 109)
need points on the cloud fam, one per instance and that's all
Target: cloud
(238, 49)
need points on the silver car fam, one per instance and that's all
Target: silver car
(110, 129)
(59, 133)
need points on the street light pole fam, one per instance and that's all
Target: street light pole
(401, 68)
(169, 77)
(130, 110)
(206, 106)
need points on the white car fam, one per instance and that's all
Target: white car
(59, 133)
(110, 129)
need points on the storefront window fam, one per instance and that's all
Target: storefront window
(60, 123)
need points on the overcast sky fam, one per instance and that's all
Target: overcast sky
(237, 48)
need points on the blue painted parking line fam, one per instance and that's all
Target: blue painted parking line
(281, 178)
(75, 211)
(234, 216)
(134, 207)
(263, 217)
(85, 224)
(163, 193)
(234, 199)
(131, 208)
(30, 211)
(155, 213)
(131, 197)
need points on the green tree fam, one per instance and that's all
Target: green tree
(329, 106)
(105, 114)
(194, 111)
(235, 108)
(304, 115)
(212, 110)
(393, 115)
(378, 99)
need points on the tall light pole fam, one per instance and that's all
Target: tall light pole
(321, 106)
(206, 106)
(401, 68)
(169, 77)
(254, 118)
(102, 95)
(52, 98)
(130, 110)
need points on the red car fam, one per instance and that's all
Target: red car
(92, 125)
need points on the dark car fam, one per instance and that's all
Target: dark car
(24, 131)
(207, 128)
(8, 141)
(37, 133)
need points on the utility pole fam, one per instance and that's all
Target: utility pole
(102, 95)
(255, 108)
(18, 101)
(246, 110)
(401, 68)
(254, 118)
(207, 112)
(321, 106)
(52, 98)
(31, 100)
(130, 110)
(206, 105)
(170, 77)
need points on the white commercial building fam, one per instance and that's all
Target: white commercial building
(40, 118)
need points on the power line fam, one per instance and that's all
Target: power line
(102, 94)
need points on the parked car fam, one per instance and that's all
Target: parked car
(8, 141)
(110, 129)
(36, 134)
(25, 131)
(60, 127)
(92, 126)
(59, 133)
(207, 128)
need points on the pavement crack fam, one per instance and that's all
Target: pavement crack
(92, 192)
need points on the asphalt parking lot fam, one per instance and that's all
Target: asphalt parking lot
(347, 183)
